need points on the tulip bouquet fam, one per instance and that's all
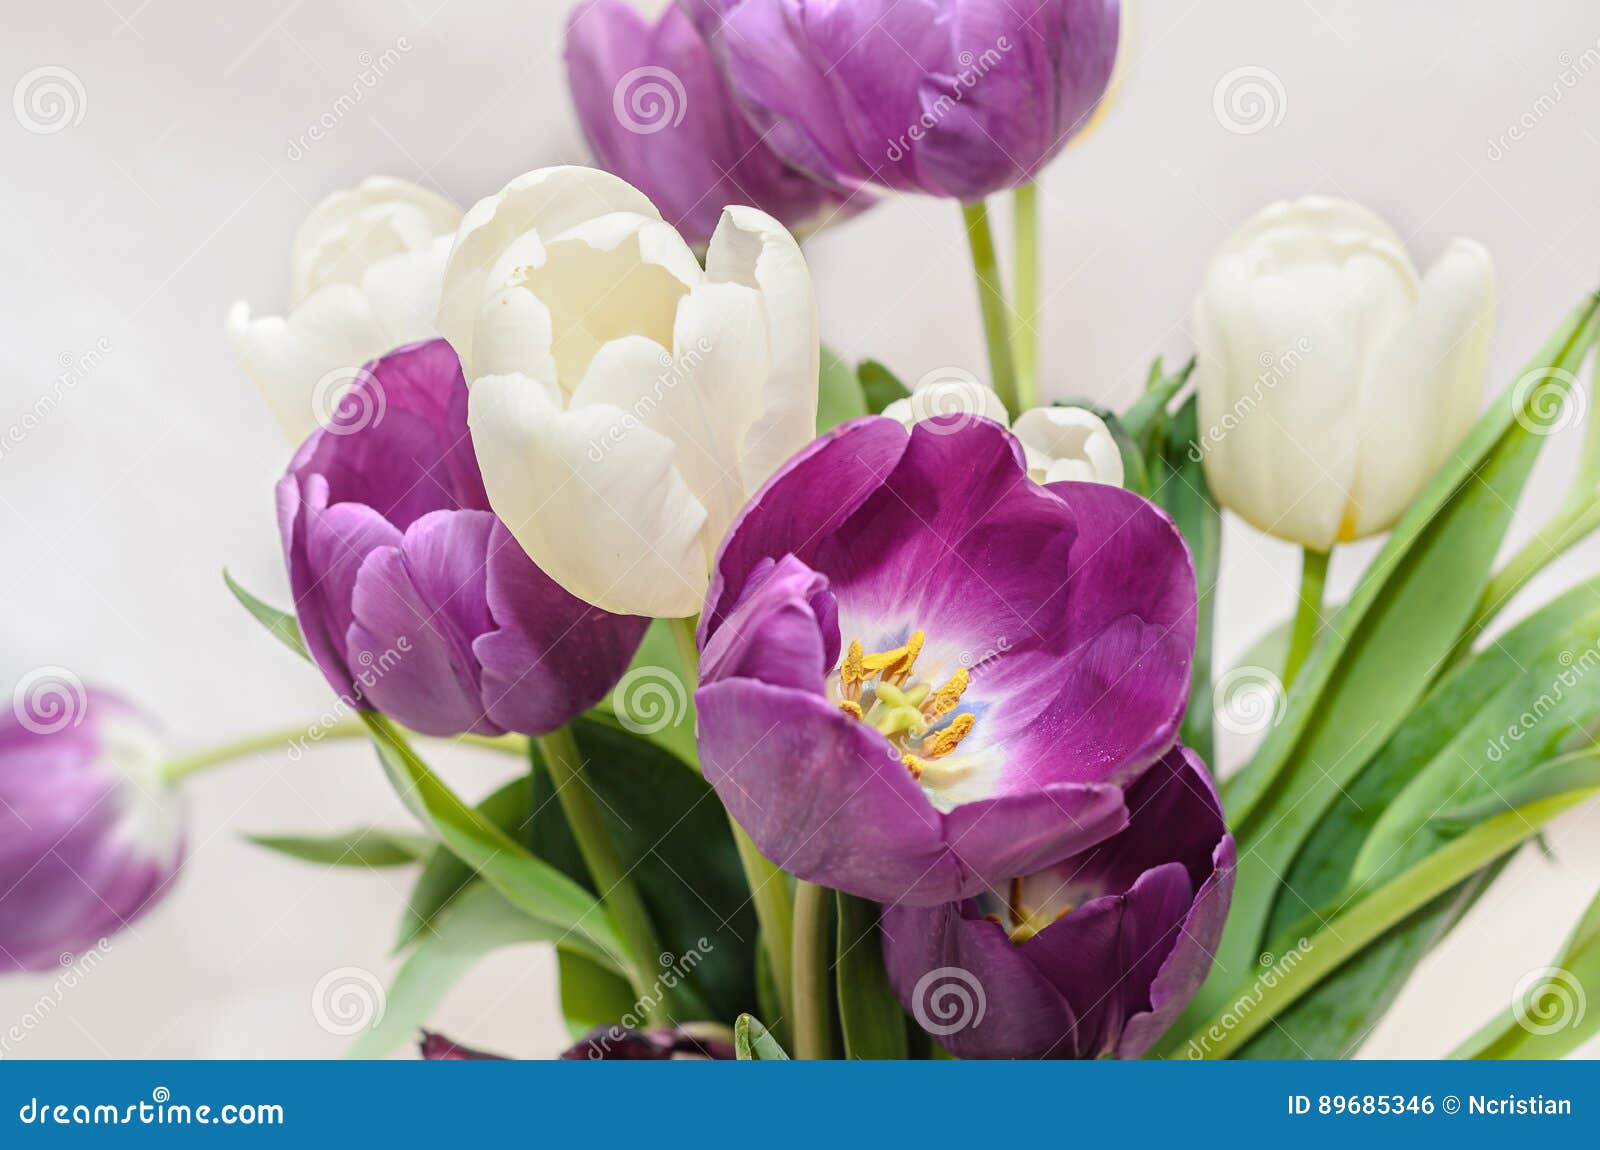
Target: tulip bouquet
(850, 719)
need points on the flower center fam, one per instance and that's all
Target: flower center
(1021, 921)
(884, 691)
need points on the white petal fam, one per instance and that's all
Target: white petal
(352, 229)
(900, 409)
(301, 364)
(752, 249)
(1069, 442)
(1424, 387)
(513, 336)
(404, 290)
(545, 202)
(1326, 216)
(592, 496)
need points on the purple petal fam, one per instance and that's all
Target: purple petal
(551, 656)
(437, 1048)
(774, 634)
(418, 608)
(809, 497)
(962, 980)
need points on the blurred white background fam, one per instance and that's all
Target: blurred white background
(132, 230)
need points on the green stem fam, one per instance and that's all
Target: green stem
(617, 893)
(813, 1023)
(1025, 313)
(1341, 939)
(992, 301)
(304, 735)
(769, 886)
(1308, 612)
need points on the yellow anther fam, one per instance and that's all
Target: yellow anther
(947, 740)
(901, 671)
(913, 764)
(945, 699)
(851, 708)
(851, 672)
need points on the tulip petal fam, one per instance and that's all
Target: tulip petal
(611, 521)
(550, 655)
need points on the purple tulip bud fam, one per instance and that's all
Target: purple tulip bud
(657, 112)
(1093, 957)
(90, 834)
(413, 597)
(438, 1048)
(950, 97)
(620, 1043)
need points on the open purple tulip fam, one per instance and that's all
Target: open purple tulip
(1093, 957)
(657, 112)
(90, 835)
(954, 98)
(923, 673)
(413, 597)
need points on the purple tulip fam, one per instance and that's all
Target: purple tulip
(1093, 957)
(437, 1048)
(90, 835)
(950, 97)
(923, 673)
(413, 598)
(657, 112)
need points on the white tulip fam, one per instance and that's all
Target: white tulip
(1333, 380)
(365, 273)
(1059, 443)
(626, 402)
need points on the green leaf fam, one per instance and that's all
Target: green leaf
(1549, 1016)
(1577, 771)
(1490, 690)
(655, 694)
(1378, 658)
(1247, 1010)
(880, 386)
(480, 921)
(672, 833)
(283, 625)
(839, 396)
(591, 995)
(752, 1042)
(533, 885)
(1178, 483)
(444, 876)
(361, 847)
(1146, 417)
(873, 1023)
